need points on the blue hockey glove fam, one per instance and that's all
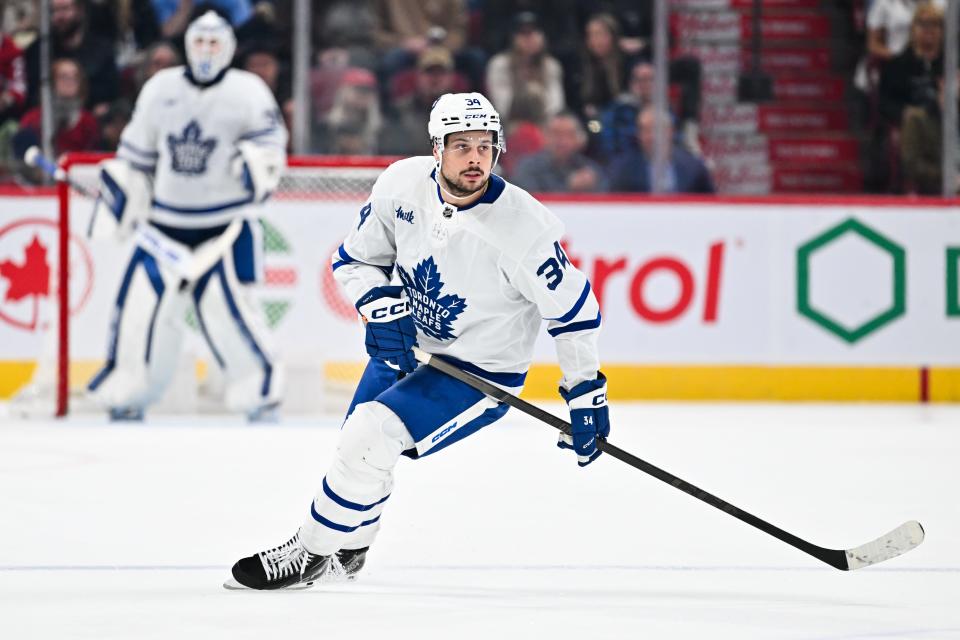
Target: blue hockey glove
(589, 418)
(391, 333)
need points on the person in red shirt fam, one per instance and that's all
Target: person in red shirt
(13, 79)
(74, 128)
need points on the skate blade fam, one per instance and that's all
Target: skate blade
(232, 585)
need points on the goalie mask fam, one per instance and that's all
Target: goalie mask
(454, 112)
(210, 44)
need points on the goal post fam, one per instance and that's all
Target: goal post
(313, 327)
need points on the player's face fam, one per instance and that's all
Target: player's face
(467, 161)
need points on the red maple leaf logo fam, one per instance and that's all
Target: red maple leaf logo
(32, 278)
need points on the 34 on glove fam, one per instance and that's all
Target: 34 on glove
(589, 418)
(391, 333)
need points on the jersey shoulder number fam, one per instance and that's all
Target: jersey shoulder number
(552, 268)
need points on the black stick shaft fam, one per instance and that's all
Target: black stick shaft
(834, 557)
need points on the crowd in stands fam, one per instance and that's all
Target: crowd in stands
(569, 77)
(903, 78)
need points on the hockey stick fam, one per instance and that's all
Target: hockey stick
(897, 542)
(186, 264)
(34, 158)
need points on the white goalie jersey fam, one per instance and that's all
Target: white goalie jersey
(479, 279)
(190, 139)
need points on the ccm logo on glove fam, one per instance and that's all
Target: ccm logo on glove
(385, 314)
(391, 332)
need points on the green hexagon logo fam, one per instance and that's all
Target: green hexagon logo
(822, 317)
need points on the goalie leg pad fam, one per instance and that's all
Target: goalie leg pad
(346, 511)
(145, 336)
(237, 338)
(125, 196)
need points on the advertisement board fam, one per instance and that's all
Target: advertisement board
(727, 286)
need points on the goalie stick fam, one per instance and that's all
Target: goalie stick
(188, 265)
(897, 542)
(32, 157)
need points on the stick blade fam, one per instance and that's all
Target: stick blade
(902, 539)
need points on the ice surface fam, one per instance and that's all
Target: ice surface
(128, 531)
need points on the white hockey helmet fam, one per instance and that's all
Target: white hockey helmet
(453, 112)
(210, 44)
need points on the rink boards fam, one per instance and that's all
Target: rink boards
(701, 299)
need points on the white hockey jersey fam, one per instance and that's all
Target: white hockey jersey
(479, 279)
(186, 137)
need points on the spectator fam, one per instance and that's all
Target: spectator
(561, 166)
(888, 26)
(407, 133)
(922, 147)
(158, 56)
(524, 130)
(349, 26)
(354, 123)
(130, 24)
(261, 58)
(13, 83)
(173, 16)
(631, 170)
(74, 128)
(526, 66)
(71, 38)
(111, 125)
(603, 67)
(618, 122)
(406, 28)
(910, 78)
(557, 19)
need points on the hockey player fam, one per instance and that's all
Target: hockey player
(450, 257)
(205, 147)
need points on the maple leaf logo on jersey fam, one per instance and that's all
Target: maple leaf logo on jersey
(433, 313)
(189, 152)
(32, 278)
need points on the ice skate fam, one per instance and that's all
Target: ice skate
(288, 566)
(346, 564)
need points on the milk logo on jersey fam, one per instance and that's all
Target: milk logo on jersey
(189, 152)
(406, 216)
(434, 313)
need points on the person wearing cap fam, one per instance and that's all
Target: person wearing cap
(525, 66)
(434, 77)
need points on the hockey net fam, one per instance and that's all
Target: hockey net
(313, 328)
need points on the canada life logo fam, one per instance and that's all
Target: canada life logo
(28, 273)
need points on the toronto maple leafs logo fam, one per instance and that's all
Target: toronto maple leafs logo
(189, 152)
(434, 313)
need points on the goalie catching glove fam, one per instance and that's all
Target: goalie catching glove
(589, 419)
(391, 333)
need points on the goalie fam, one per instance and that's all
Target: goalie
(205, 147)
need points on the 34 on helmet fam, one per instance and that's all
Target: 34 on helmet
(210, 45)
(454, 112)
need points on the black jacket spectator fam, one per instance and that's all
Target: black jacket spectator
(907, 80)
(71, 38)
